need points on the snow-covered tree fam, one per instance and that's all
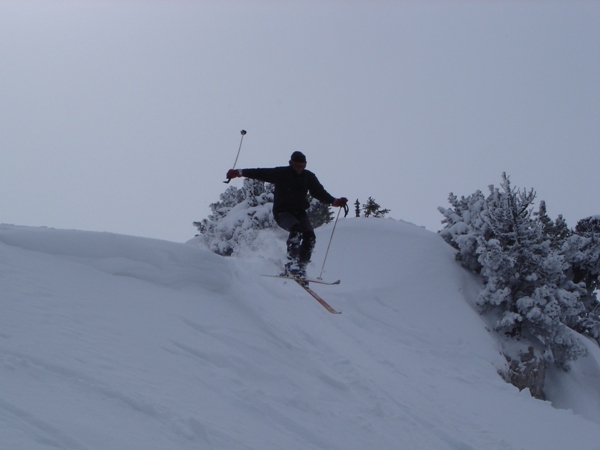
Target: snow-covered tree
(587, 267)
(525, 277)
(237, 217)
(518, 254)
(319, 213)
(464, 225)
(582, 254)
(241, 214)
(555, 230)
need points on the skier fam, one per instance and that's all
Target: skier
(292, 184)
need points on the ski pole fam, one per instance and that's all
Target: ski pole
(331, 238)
(243, 132)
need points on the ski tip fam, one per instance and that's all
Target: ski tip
(321, 280)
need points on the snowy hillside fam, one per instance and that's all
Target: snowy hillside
(117, 342)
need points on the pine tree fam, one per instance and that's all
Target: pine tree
(555, 230)
(582, 255)
(526, 276)
(521, 260)
(587, 268)
(464, 225)
(372, 208)
(236, 220)
(237, 217)
(319, 213)
(357, 208)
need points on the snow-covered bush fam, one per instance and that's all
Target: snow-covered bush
(237, 217)
(529, 265)
(463, 227)
(556, 230)
(240, 217)
(582, 254)
(319, 213)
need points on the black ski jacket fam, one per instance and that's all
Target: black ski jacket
(291, 188)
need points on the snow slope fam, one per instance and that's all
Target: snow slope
(117, 342)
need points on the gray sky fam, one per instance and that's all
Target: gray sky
(124, 116)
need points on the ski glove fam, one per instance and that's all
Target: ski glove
(234, 173)
(339, 202)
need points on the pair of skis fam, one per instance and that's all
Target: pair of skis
(304, 282)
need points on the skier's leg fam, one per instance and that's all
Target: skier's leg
(290, 223)
(308, 242)
(294, 243)
(301, 240)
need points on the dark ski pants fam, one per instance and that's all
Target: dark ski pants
(301, 240)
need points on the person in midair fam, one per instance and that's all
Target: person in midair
(292, 184)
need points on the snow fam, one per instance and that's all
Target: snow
(119, 342)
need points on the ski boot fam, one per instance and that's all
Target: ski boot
(297, 271)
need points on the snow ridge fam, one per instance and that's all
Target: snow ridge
(112, 342)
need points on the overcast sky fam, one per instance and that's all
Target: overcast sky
(124, 116)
